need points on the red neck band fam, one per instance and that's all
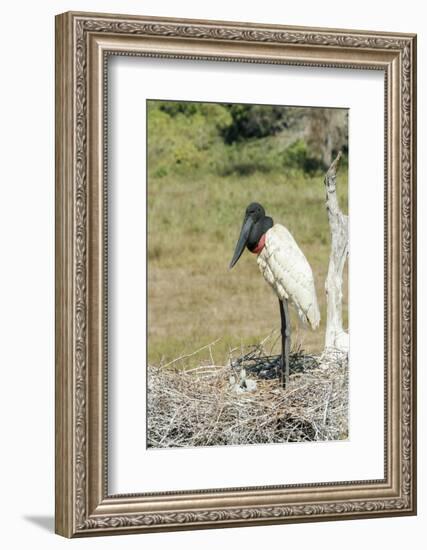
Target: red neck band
(259, 246)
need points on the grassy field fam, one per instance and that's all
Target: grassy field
(206, 163)
(194, 219)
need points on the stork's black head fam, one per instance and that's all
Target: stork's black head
(255, 224)
(255, 210)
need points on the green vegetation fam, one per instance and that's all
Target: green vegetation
(200, 180)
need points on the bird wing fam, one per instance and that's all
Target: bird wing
(287, 270)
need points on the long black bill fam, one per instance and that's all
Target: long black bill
(243, 239)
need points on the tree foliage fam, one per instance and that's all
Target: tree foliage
(242, 138)
(255, 121)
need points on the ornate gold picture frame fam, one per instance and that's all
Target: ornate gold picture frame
(84, 506)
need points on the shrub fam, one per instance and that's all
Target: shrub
(249, 157)
(254, 121)
(180, 134)
(298, 156)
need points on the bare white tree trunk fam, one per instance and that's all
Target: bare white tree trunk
(336, 337)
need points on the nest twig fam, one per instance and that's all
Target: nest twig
(198, 407)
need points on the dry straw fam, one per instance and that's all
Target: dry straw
(211, 404)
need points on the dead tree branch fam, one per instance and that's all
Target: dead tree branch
(336, 337)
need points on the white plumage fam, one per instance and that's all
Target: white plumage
(287, 270)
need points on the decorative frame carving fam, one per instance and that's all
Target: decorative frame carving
(83, 42)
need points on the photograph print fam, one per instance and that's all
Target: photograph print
(247, 274)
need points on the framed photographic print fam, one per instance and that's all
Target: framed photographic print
(235, 274)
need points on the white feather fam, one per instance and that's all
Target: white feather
(287, 270)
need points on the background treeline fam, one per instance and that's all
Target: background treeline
(241, 139)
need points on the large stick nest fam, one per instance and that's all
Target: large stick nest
(211, 404)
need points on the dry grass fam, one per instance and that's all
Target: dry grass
(193, 225)
(201, 406)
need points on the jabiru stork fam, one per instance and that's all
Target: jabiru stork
(284, 267)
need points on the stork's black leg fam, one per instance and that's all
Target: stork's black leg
(286, 341)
